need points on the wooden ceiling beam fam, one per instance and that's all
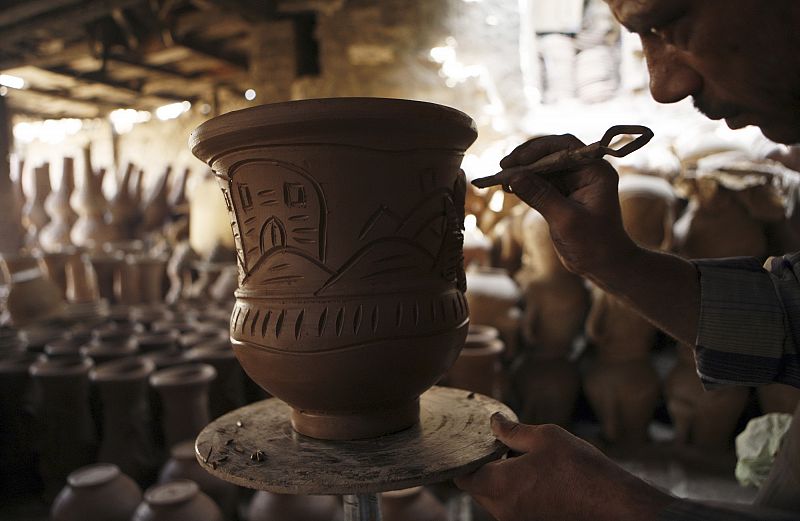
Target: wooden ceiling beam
(67, 96)
(64, 20)
(203, 49)
(29, 9)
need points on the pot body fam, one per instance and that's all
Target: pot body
(99, 492)
(347, 217)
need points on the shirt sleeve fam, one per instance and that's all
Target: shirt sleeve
(749, 323)
(684, 510)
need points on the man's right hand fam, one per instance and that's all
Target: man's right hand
(581, 206)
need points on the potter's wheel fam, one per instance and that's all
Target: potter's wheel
(256, 447)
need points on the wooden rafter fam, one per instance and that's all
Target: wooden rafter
(62, 20)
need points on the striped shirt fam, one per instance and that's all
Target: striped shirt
(748, 334)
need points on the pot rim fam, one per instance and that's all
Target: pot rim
(272, 123)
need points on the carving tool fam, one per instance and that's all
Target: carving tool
(568, 159)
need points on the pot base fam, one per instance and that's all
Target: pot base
(356, 426)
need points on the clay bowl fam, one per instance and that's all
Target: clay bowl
(347, 217)
(179, 500)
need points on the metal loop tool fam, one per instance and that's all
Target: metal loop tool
(571, 158)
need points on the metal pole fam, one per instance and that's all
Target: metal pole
(459, 507)
(361, 507)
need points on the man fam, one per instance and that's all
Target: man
(739, 61)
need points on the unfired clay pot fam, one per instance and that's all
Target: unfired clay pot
(127, 420)
(412, 504)
(177, 501)
(183, 464)
(98, 492)
(477, 368)
(227, 389)
(347, 217)
(55, 234)
(65, 434)
(267, 506)
(18, 473)
(184, 399)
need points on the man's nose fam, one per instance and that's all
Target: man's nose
(672, 78)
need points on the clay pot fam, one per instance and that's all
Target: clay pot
(412, 504)
(99, 492)
(183, 464)
(184, 399)
(18, 472)
(54, 266)
(34, 215)
(152, 279)
(32, 298)
(106, 264)
(547, 388)
(127, 420)
(90, 229)
(492, 296)
(65, 436)
(156, 342)
(81, 280)
(64, 347)
(477, 368)
(177, 501)
(123, 207)
(102, 351)
(704, 419)
(348, 280)
(227, 389)
(268, 506)
(55, 234)
(156, 209)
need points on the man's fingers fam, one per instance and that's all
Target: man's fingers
(483, 482)
(540, 194)
(537, 148)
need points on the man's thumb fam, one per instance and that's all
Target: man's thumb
(516, 436)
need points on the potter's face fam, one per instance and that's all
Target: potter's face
(738, 59)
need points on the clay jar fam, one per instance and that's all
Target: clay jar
(127, 440)
(183, 465)
(98, 492)
(267, 506)
(227, 390)
(184, 400)
(412, 504)
(177, 501)
(18, 471)
(65, 434)
(347, 217)
(493, 297)
(478, 365)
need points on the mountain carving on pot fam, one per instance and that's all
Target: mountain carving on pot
(347, 217)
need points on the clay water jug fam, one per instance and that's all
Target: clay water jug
(347, 217)
(127, 420)
(268, 506)
(90, 229)
(55, 234)
(65, 435)
(99, 492)
(34, 215)
(18, 472)
(123, 209)
(177, 501)
(412, 504)
(183, 464)
(184, 400)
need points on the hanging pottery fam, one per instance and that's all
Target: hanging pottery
(347, 217)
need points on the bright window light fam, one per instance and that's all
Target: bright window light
(123, 120)
(173, 110)
(496, 202)
(50, 131)
(14, 82)
(249, 94)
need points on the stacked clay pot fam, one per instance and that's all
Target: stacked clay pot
(98, 492)
(347, 217)
(183, 464)
(179, 500)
